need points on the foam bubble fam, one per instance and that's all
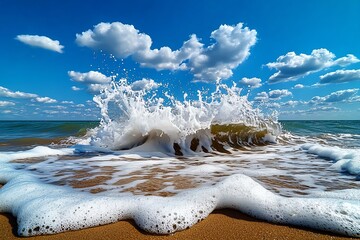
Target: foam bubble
(39, 151)
(46, 209)
(345, 159)
(132, 118)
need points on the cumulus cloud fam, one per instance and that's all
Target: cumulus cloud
(340, 76)
(347, 60)
(291, 66)
(215, 62)
(89, 77)
(278, 94)
(312, 110)
(6, 104)
(261, 97)
(166, 59)
(67, 102)
(41, 42)
(341, 95)
(58, 107)
(324, 109)
(144, 85)
(348, 95)
(298, 86)
(74, 88)
(120, 39)
(51, 112)
(96, 88)
(4, 92)
(272, 95)
(251, 82)
(94, 81)
(232, 46)
(290, 103)
(44, 100)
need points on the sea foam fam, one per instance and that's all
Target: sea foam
(344, 159)
(46, 209)
(39, 151)
(131, 118)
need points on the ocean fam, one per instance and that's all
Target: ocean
(167, 166)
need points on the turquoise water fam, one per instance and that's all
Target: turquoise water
(343, 133)
(312, 127)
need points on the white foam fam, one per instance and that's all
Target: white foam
(345, 159)
(39, 151)
(131, 118)
(48, 209)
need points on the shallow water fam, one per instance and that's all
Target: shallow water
(168, 167)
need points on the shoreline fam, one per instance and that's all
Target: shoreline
(221, 224)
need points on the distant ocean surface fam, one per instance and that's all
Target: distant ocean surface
(23, 134)
(168, 166)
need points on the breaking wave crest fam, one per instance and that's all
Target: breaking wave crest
(152, 120)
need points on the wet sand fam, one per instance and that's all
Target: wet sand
(222, 224)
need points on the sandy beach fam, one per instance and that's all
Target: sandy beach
(221, 224)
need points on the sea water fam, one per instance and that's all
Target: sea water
(168, 163)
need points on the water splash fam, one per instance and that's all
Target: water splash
(142, 117)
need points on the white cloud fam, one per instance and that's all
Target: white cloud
(6, 104)
(67, 102)
(58, 107)
(311, 110)
(261, 97)
(324, 109)
(96, 88)
(290, 103)
(347, 95)
(251, 82)
(344, 61)
(291, 66)
(93, 80)
(340, 76)
(165, 58)
(44, 100)
(120, 39)
(89, 77)
(41, 41)
(4, 92)
(51, 112)
(298, 86)
(74, 88)
(144, 85)
(232, 46)
(273, 105)
(278, 94)
(341, 95)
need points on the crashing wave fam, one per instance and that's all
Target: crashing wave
(132, 118)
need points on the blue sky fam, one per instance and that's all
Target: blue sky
(300, 58)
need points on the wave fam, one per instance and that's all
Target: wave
(215, 122)
(347, 160)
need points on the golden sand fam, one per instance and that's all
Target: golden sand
(221, 224)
